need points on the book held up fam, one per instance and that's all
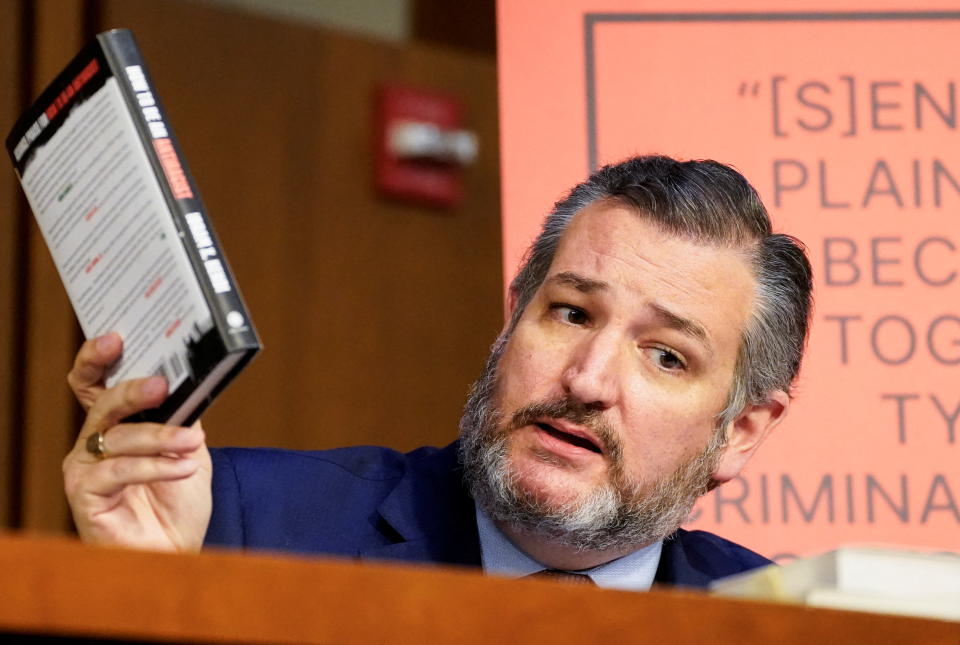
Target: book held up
(128, 233)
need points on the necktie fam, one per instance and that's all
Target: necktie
(563, 576)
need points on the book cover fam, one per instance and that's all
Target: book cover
(128, 233)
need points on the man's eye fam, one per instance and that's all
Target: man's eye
(570, 315)
(667, 359)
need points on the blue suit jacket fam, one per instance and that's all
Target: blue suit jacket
(376, 503)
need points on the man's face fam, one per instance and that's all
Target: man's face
(608, 390)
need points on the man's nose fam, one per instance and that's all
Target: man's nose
(592, 372)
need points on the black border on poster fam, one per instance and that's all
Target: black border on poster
(592, 19)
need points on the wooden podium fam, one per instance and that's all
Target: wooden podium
(57, 587)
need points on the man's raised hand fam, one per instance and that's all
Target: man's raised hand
(152, 488)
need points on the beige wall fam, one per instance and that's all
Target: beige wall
(384, 19)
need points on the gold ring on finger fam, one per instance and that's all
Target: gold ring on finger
(96, 445)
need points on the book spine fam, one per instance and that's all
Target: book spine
(200, 242)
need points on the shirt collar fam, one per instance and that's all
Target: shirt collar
(634, 572)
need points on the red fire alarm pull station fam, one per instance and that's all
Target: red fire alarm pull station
(421, 146)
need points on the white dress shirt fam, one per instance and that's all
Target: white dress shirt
(633, 572)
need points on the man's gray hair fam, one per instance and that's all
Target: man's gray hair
(708, 203)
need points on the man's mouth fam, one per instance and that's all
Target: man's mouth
(573, 439)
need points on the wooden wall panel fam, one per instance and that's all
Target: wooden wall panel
(470, 24)
(376, 316)
(50, 420)
(11, 220)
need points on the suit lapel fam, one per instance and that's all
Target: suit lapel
(429, 515)
(675, 568)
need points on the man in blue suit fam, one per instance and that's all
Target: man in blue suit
(656, 328)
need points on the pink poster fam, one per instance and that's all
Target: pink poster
(844, 116)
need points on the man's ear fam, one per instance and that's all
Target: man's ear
(512, 298)
(748, 431)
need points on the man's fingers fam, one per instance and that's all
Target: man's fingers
(93, 359)
(151, 439)
(90, 365)
(111, 476)
(123, 400)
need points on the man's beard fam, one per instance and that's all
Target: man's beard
(617, 514)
